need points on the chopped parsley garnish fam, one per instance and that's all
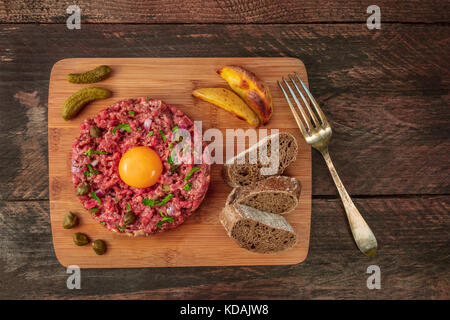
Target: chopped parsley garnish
(165, 200)
(90, 152)
(90, 171)
(188, 186)
(150, 133)
(148, 99)
(103, 223)
(174, 128)
(189, 175)
(163, 136)
(151, 203)
(164, 219)
(128, 207)
(121, 228)
(171, 145)
(131, 113)
(169, 160)
(148, 202)
(124, 126)
(94, 210)
(138, 129)
(94, 196)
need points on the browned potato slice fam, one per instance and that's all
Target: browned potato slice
(251, 89)
(228, 100)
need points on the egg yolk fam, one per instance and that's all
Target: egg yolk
(140, 167)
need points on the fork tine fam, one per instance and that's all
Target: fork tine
(313, 116)
(299, 106)
(315, 104)
(297, 118)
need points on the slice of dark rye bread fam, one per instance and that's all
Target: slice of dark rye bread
(256, 230)
(236, 174)
(278, 194)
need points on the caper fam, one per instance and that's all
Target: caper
(129, 218)
(80, 239)
(99, 246)
(70, 220)
(95, 132)
(82, 189)
(166, 188)
(173, 168)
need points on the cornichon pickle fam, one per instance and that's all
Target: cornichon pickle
(95, 132)
(129, 218)
(82, 189)
(99, 246)
(91, 76)
(70, 220)
(80, 239)
(79, 99)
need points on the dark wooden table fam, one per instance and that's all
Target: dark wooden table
(386, 93)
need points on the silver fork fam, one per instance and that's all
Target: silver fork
(318, 134)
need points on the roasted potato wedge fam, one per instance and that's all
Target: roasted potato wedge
(228, 100)
(251, 89)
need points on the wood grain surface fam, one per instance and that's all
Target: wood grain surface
(224, 11)
(386, 93)
(201, 240)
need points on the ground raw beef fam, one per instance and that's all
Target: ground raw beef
(100, 172)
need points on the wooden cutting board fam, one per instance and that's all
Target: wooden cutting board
(201, 240)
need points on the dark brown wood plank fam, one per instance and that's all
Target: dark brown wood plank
(229, 11)
(385, 93)
(413, 236)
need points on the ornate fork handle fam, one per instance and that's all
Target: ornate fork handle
(363, 235)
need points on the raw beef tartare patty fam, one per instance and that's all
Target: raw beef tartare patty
(96, 154)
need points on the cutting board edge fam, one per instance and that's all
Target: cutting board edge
(301, 258)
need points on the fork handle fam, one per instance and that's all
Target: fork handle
(363, 235)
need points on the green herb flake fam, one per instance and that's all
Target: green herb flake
(90, 171)
(103, 223)
(165, 200)
(150, 133)
(138, 129)
(164, 219)
(189, 175)
(124, 126)
(131, 113)
(94, 196)
(148, 202)
(148, 99)
(128, 207)
(94, 210)
(187, 186)
(171, 145)
(121, 228)
(169, 160)
(90, 152)
(174, 128)
(163, 136)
